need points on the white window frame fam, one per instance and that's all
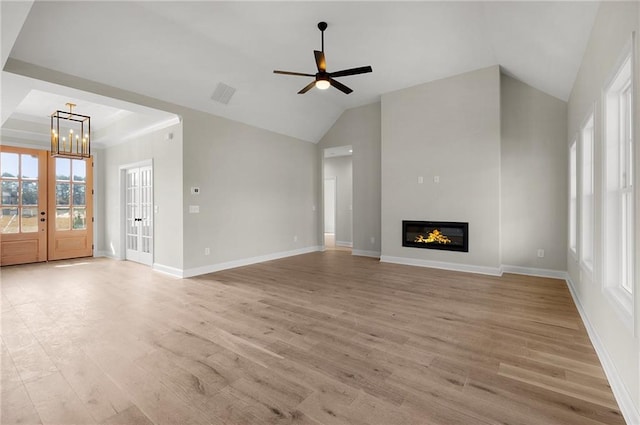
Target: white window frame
(573, 198)
(618, 189)
(586, 189)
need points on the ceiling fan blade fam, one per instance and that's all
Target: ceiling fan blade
(320, 62)
(307, 87)
(293, 73)
(352, 71)
(344, 89)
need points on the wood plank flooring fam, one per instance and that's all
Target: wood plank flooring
(323, 338)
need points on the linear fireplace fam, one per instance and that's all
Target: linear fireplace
(447, 235)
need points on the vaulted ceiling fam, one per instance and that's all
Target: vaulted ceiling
(180, 51)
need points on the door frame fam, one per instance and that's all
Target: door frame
(323, 177)
(122, 174)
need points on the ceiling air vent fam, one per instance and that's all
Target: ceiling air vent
(223, 93)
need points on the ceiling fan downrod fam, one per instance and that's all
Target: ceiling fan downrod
(322, 26)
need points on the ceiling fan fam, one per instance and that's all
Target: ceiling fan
(324, 79)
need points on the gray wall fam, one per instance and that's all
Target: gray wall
(167, 193)
(341, 168)
(533, 177)
(448, 128)
(258, 191)
(360, 128)
(612, 30)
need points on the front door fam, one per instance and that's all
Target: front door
(139, 214)
(23, 213)
(70, 208)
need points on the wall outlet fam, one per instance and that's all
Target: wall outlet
(373, 240)
(436, 179)
(420, 179)
(295, 238)
(207, 251)
(195, 190)
(541, 253)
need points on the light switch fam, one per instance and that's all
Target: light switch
(194, 209)
(436, 179)
(420, 179)
(156, 209)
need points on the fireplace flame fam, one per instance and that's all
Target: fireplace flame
(434, 237)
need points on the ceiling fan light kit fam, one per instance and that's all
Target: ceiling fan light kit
(323, 79)
(322, 84)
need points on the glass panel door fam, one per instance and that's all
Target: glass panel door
(139, 215)
(72, 234)
(23, 205)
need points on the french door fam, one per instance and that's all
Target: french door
(46, 209)
(23, 207)
(139, 214)
(70, 208)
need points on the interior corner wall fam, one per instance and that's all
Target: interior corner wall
(341, 168)
(167, 187)
(612, 31)
(534, 164)
(448, 128)
(360, 128)
(258, 194)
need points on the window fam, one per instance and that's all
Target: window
(573, 197)
(71, 176)
(20, 196)
(618, 222)
(586, 199)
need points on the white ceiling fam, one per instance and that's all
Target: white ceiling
(27, 105)
(37, 104)
(179, 51)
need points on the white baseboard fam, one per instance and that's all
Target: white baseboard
(172, 271)
(532, 271)
(247, 261)
(362, 253)
(107, 254)
(620, 392)
(469, 268)
(345, 244)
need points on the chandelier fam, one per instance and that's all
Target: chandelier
(70, 134)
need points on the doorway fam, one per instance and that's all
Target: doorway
(338, 197)
(46, 209)
(138, 212)
(330, 212)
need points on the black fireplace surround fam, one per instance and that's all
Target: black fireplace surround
(445, 235)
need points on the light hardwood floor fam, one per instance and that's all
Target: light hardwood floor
(330, 243)
(322, 338)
